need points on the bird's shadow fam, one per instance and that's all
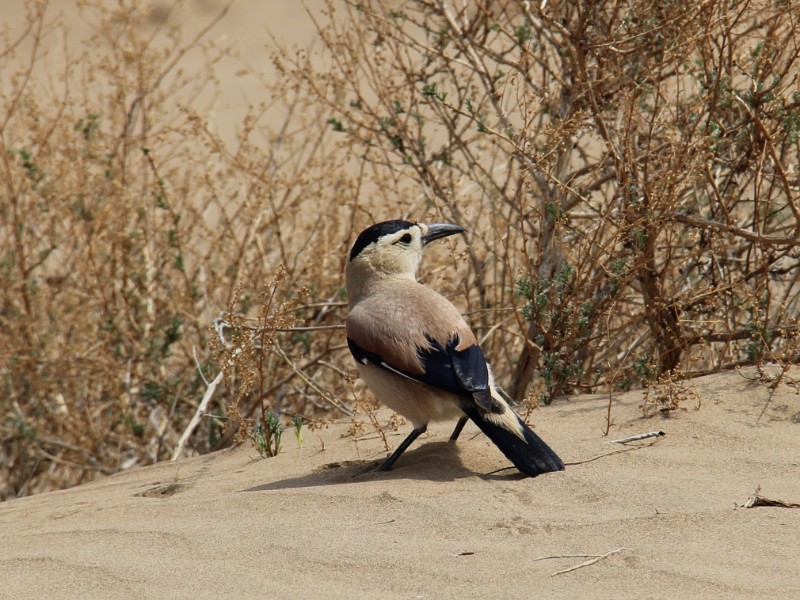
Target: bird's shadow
(433, 461)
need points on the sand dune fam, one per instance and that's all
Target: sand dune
(317, 522)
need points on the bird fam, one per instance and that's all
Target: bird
(416, 352)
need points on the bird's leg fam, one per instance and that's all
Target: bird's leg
(415, 433)
(459, 426)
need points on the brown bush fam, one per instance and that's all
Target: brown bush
(628, 173)
(127, 226)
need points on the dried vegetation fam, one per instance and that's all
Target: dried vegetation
(627, 172)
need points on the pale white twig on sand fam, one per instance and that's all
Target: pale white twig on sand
(593, 558)
(636, 438)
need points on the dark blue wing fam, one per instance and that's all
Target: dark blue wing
(460, 372)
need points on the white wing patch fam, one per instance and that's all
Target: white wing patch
(393, 370)
(388, 367)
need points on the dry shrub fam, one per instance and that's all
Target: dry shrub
(126, 227)
(669, 393)
(627, 171)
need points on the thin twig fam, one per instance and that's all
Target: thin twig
(325, 395)
(588, 562)
(555, 556)
(199, 368)
(636, 438)
(308, 328)
(628, 449)
(197, 415)
(221, 323)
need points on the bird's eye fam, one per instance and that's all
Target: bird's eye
(406, 239)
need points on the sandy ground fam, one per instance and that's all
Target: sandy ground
(316, 521)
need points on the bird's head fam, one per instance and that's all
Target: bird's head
(392, 248)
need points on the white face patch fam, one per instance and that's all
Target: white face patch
(397, 253)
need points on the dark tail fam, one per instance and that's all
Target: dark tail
(530, 455)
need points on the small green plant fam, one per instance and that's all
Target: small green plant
(266, 436)
(562, 326)
(260, 441)
(298, 422)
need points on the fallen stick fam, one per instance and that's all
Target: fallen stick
(588, 460)
(613, 452)
(564, 556)
(196, 418)
(588, 563)
(636, 438)
(758, 500)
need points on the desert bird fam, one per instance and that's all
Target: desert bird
(418, 355)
